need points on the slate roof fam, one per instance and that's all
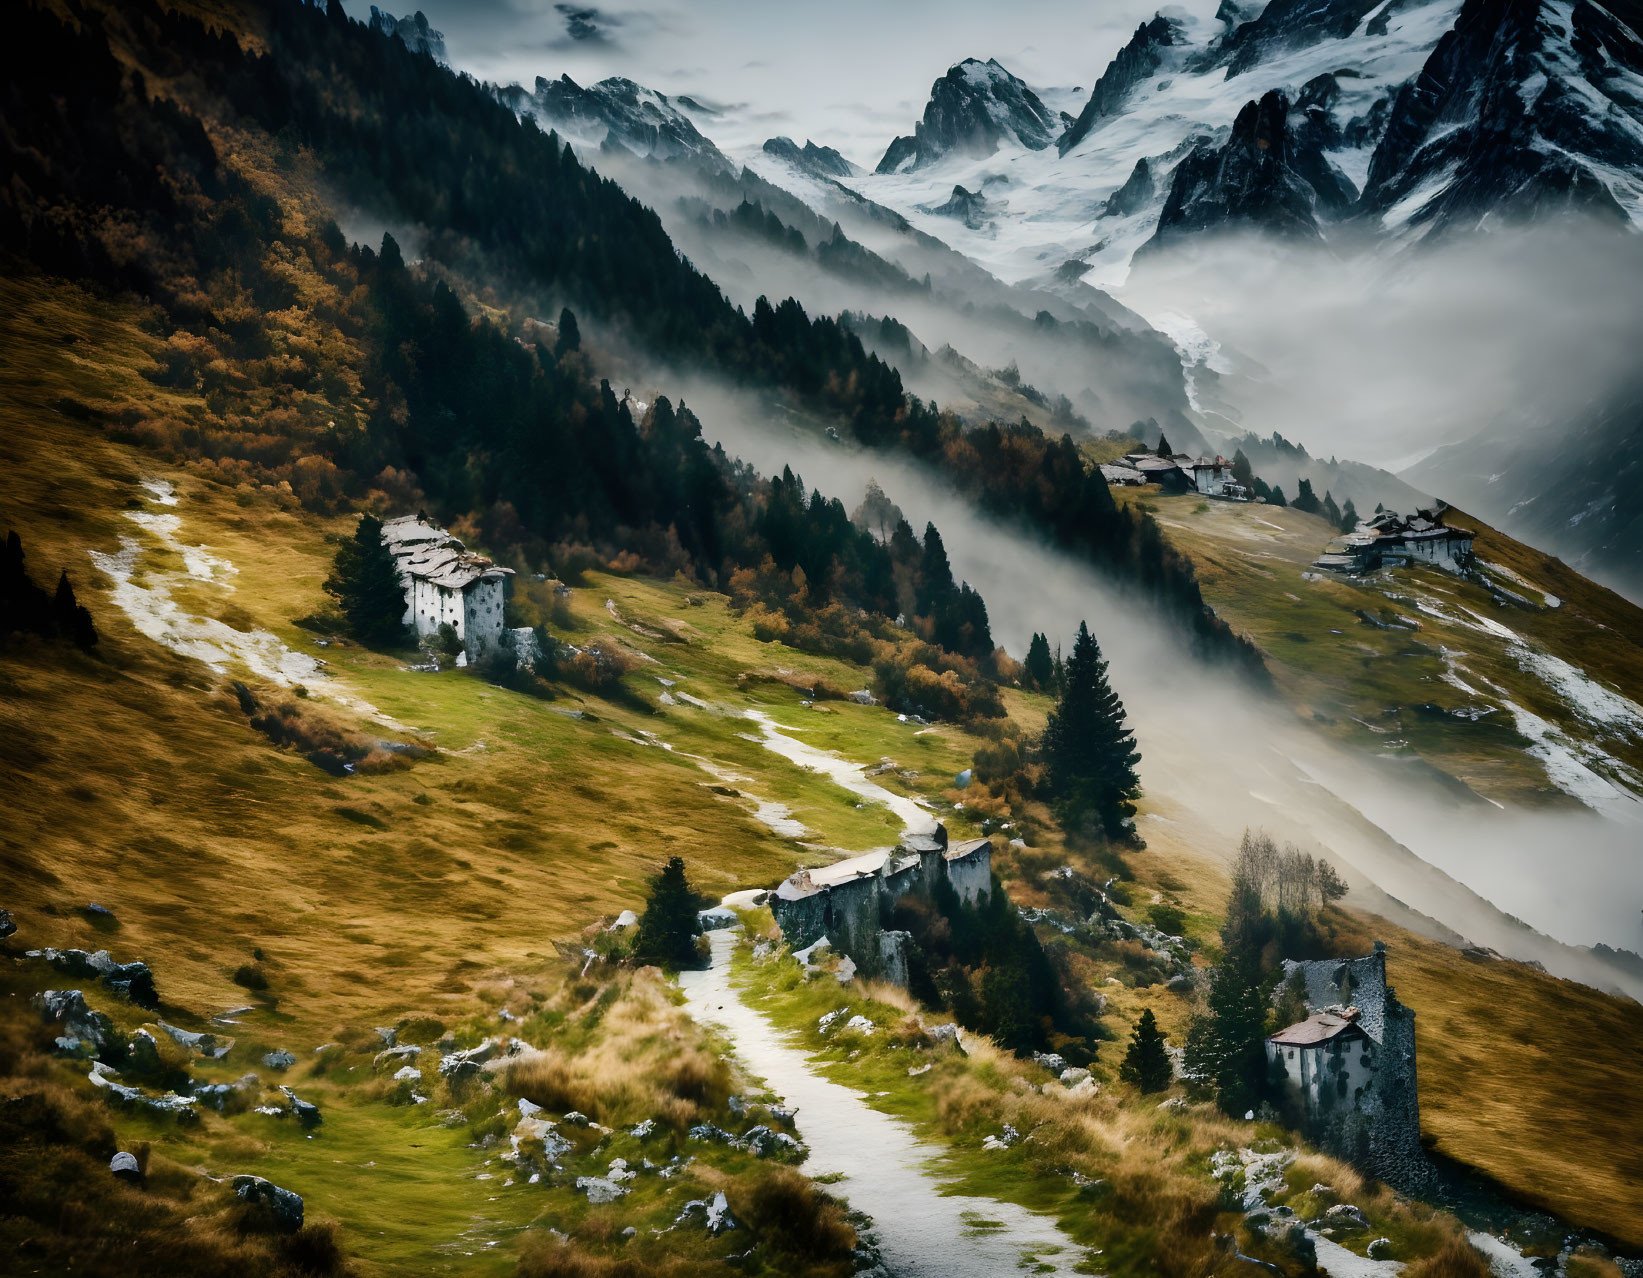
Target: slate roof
(431, 554)
(1319, 1028)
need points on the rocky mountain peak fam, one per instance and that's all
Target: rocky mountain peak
(822, 161)
(413, 29)
(617, 113)
(1136, 61)
(1248, 182)
(974, 108)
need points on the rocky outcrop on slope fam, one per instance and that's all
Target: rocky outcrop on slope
(615, 111)
(1249, 182)
(1137, 60)
(972, 109)
(821, 161)
(1513, 115)
(413, 29)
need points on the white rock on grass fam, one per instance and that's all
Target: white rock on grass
(599, 1189)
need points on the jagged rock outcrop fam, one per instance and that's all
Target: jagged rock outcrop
(972, 109)
(281, 1206)
(1291, 24)
(969, 207)
(413, 29)
(131, 980)
(823, 161)
(1249, 182)
(1135, 62)
(614, 112)
(1512, 115)
(1136, 193)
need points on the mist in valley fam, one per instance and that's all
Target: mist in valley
(1384, 358)
(1219, 756)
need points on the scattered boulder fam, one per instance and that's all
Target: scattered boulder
(131, 980)
(80, 1024)
(1347, 1215)
(708, 1132)
(459, 1067)
(576, 1118)
(599, 1189)
(143, 1054)
(407, 1074)
(768, 1143)
(717, 918)
(125, 1166)
(306, 1112)
(219, 1096)
(642, 1130)
(719, 1219)
(626, 919)
(1074, 1075)
(1380, 1248)
(1174, 1105)
(1321, 1190)
(1007, 1137)
(207, 1045)
(281, 1206)
(99, 913)
(1052, 1061)
(403, 1054)
(279, 1060)
(860, 1024)
(8, 925)
(947, 1033)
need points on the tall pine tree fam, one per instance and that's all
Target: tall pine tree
(669, 926)
(364, 581)
(1088, 745)
(1039, 666)
(1146, 1063)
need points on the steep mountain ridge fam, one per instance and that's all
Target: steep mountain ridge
(1406, 118)
(972, 109)
(613, 112)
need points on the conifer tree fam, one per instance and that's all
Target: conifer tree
(73, 621)
(1330, 510)
(1087, 744)
(1146, 1063)
(1349, 516)
(1305, 498)
(669, 927)
(1164, 449)
(935, 574)
(365, 583)
(1242, 471)
(570, 334)
(1039, 665)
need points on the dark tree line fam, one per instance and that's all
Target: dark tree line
(27, 608)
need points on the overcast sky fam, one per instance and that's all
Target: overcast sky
(847, 73)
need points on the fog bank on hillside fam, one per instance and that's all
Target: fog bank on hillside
(1217, 756)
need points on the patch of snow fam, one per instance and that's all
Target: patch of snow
(143, 592)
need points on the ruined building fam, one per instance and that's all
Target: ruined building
(446, 584)
(1348, 1070)
(850, 901)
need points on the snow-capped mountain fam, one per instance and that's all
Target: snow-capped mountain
(973, 110)
(1522, 107)
(1371, 118)
(614, 113)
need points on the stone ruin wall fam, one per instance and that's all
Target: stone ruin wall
(851, 915)
(1378, 1129)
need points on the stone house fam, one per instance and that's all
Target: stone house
(1347, 1071)
(445, 584)
(848, 902)
(1388, 538)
